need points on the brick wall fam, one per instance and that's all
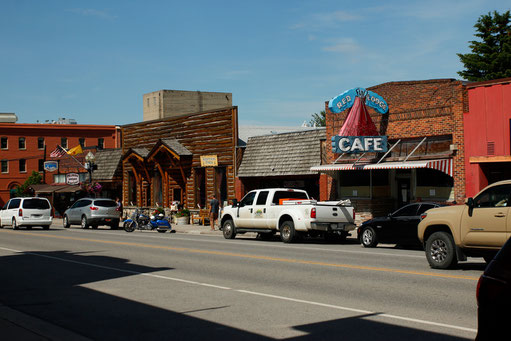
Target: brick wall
(416, 109)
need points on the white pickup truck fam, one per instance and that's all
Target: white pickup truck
(289, 211)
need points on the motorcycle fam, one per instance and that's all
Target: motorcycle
(140, 221)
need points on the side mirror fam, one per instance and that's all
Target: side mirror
(234, 202)
(470, 203)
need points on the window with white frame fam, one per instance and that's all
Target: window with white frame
(3, 142)
(22, 143)
(40, 143)
(4, 166)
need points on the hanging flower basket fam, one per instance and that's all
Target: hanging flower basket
(91, 188)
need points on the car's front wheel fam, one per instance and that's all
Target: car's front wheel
(441, 251)
(368, 237)
(65, 222)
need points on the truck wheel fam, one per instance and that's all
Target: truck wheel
(287, 231)
(440, 251)
(228, 229)
(368, 237)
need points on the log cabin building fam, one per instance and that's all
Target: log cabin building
(185, 158)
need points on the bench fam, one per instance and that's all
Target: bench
(201, 217)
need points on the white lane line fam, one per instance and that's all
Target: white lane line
(366, 312)
(319, 304)
(118, 269)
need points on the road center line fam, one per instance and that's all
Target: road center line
(257, 257)
(295, 300)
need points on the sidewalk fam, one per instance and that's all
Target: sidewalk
(15, 325)
(188, 228)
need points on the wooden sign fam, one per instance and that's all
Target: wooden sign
(208, 161)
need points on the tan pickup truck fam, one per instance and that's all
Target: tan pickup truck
(478, 228)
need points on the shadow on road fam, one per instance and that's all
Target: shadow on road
(33, 283)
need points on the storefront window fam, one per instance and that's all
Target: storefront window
(433, 184)
(355, 184)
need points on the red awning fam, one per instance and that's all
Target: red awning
(444, 165)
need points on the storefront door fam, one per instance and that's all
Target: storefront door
(403, 191)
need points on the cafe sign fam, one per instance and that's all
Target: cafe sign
(358, 134)
(359, 144)
(346, 100)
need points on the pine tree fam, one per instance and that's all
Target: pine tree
(490, 57)
(318, 120)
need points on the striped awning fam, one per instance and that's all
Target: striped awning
(443, 165)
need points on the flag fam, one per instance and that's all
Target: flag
(58, 152)
(75, 150)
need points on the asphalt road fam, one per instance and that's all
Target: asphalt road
(104, 284)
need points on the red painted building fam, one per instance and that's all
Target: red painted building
(487, 134)
(25, 147)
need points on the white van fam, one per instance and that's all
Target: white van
(27, 212)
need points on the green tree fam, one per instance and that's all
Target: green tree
(491, 56)
(318, 120)
(24, 190)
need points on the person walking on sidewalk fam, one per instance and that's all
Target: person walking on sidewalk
(213, 211)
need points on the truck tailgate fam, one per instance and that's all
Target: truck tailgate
(334, 213)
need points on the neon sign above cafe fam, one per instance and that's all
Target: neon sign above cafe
(358, 133)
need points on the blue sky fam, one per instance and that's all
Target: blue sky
(93, 60)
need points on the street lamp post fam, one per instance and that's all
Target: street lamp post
(90, 158)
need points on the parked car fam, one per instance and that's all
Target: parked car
(478, 228)
(92, 212)
(494, 297)
(28, 212)
(399, 227)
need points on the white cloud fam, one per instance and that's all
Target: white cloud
(343, 45)
(319, 21)
(90, 12)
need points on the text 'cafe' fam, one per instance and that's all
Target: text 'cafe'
(394, 144)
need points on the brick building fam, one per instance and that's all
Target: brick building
(487, 126)
(25, 147)
(424, 126)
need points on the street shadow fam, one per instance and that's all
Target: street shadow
(33, 283)
(360, 328)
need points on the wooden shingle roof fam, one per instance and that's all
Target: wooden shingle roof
(291, 153)
(109, 165)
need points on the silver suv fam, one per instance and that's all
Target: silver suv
(92, 212)
(26, 212)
